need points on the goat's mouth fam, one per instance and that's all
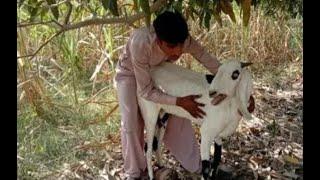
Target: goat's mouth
(212, 93)
(216, 98)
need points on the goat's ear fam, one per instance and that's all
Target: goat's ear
(243, 93)
(245, 64)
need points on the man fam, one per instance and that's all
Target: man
(166, 40)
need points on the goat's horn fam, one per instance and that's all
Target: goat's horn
(245, 64)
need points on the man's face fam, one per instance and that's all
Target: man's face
(172, 51)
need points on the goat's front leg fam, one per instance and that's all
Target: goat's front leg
(205, 156)
(216, 157)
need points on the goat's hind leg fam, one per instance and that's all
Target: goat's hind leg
(149, 113)
(150, 128)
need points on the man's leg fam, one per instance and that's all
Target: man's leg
(180, 139)
(132, 138)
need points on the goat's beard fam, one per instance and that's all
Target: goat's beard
(218, 99)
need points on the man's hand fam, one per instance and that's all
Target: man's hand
(189, 104)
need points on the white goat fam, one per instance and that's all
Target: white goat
(221, 120)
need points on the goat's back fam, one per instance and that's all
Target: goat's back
(178, 81)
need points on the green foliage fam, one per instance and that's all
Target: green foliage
(145, 6)
(54, 9)
(202, 10)
(33, 7)
(49, 140)
(111, 5)
(192, 7)
(272, 7)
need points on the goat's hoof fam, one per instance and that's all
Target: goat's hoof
(159, 166)
(165, 174)
(224, 173)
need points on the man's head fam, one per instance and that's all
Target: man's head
(172, 30)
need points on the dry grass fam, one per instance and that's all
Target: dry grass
(55, 88)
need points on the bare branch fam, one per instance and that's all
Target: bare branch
(57, 4)
(24, 56)
(98, 21)
(20, 25)
(45, 43)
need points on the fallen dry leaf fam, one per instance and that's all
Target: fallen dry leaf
(291, 159)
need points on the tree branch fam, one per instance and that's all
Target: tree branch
(20, 25)
(45, 43)
(57, 4)
(98, 21)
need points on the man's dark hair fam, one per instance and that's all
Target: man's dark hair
(171, 27)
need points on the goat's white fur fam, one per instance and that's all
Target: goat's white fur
(220, 120)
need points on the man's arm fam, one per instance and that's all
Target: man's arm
(145, 87)
(198, 52)
(140, 54)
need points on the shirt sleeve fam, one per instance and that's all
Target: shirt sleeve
(199, 53)
(140, 55)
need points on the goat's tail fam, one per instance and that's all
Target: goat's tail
(243, 93)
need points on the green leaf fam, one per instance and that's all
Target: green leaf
(144, 4)
(201, 17)
(177, 5)
(202, 3)
(111, 5)
(54, 10)
(135, 6)
(191, 3)
(238, 2)
(193, 11)
(33, 7)
(207, 19)
(114, 7)
(105, 4)
(216, 13)
(43, 12)
(20, 3)
(33, 13)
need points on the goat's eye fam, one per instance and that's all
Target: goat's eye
(235, 74)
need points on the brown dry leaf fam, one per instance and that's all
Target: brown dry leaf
(277, 164)
(291, 159)
(111, 111)
(107, 176)
(217, 12)
(257, 160)
(227, 9)
(255, 131)
(291, 175)
(278, 176)
(114, 171)
(246, 6)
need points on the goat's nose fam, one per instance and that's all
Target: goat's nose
(212, 93)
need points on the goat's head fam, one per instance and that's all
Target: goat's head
(233, 79)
